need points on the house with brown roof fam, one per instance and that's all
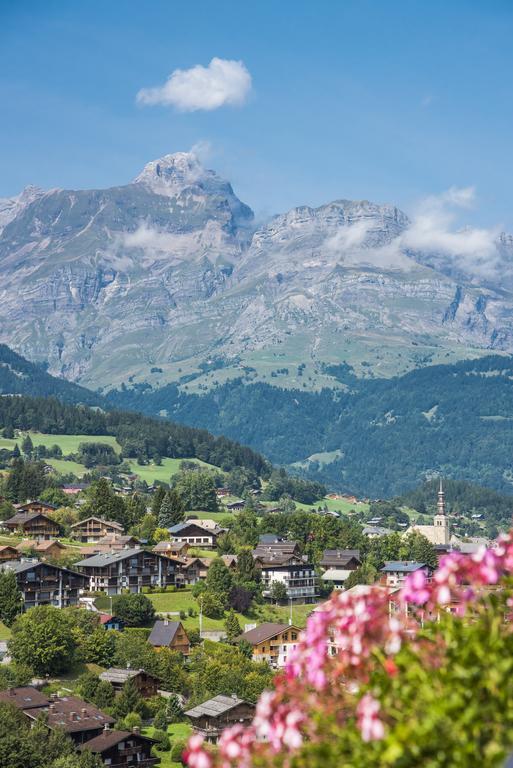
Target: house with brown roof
(33, 525)
(271, 642)
(169, 634)
(8, 553)
(171, 548)
(338, 565)
(145, 683)
(212, 717)
(282, 562)
(122, 749)
(196, 533)
(80, 720)
(24, 697)
(45, 549)
(192, 570)
(93, 528)
(36, 505)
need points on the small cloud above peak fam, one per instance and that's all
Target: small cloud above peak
(222, 83)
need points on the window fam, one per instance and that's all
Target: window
(294, 635)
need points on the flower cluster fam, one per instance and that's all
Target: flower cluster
(343, 641)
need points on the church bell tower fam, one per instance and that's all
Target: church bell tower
(442, 532)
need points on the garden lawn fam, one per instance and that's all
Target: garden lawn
(177, 732)
(5, 632)
(162, 473)
(171, 602)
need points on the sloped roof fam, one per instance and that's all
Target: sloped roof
(405, 566)
(339, 557)
(263, 632)
(24, 697)
(216, 706)
(111, 523)
(108, 558)
(336, 574)
(109, 738)
(73, 715)
(118, 675)
(163, 632)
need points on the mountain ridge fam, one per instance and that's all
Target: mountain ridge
(170, 271)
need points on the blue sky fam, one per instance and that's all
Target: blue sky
(386, 100)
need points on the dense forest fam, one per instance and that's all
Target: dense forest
(389, 434)
(20, 377)
(140, 437)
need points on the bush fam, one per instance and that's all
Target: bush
(162, 739)
(160, 720)
(177, 751)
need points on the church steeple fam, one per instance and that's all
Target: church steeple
(441, 500)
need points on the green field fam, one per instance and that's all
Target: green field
(70, 444)
(177, 732)
(171, 602)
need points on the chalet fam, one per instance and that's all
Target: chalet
(122, 749)
(107, 621)
(24, 697)
(282, 562)
(236, 506)
(33, 525)
(212, 717)
(115, 541)
(45, 584)
(169, 634)
(92, 529)
(269, 538)
(44, 549)
(128, 569)
(394, 572)
(271, 642)
(43, 507)
(80, 720)
(171, 548)
(192, 569)
(230, 561)
(145, 683)
(195, 534)
(338, 565)
(8, 553)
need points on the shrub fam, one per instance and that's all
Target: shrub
(162, 739)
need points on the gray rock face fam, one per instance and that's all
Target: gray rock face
(170, 271)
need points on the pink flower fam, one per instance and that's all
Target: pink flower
(415, 589)
(195, 756)
(371, 727)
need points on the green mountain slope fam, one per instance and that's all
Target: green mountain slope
(376, 437)
(18, 376)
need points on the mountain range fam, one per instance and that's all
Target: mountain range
(170, 279)
(350, 342)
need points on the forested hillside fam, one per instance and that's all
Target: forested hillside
(139, 436)
(20, 377)
(381, 437)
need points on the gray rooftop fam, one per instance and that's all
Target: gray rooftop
(215, 707)
(116, 675)
(108, 558)
(163, 632)
(401, 565)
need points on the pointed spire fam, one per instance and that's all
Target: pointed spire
(441, 500)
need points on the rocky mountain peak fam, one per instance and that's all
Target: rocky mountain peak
(171, 174)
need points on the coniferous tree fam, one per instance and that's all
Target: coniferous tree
(174, 710)
(232, 626)
(157, 499)
(11, 600)
(172, 510)
(129, 700)
(27, 446)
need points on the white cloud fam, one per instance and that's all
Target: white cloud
(470, 249)
(222, 83)
(349, 237)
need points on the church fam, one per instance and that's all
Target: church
(439, 534)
